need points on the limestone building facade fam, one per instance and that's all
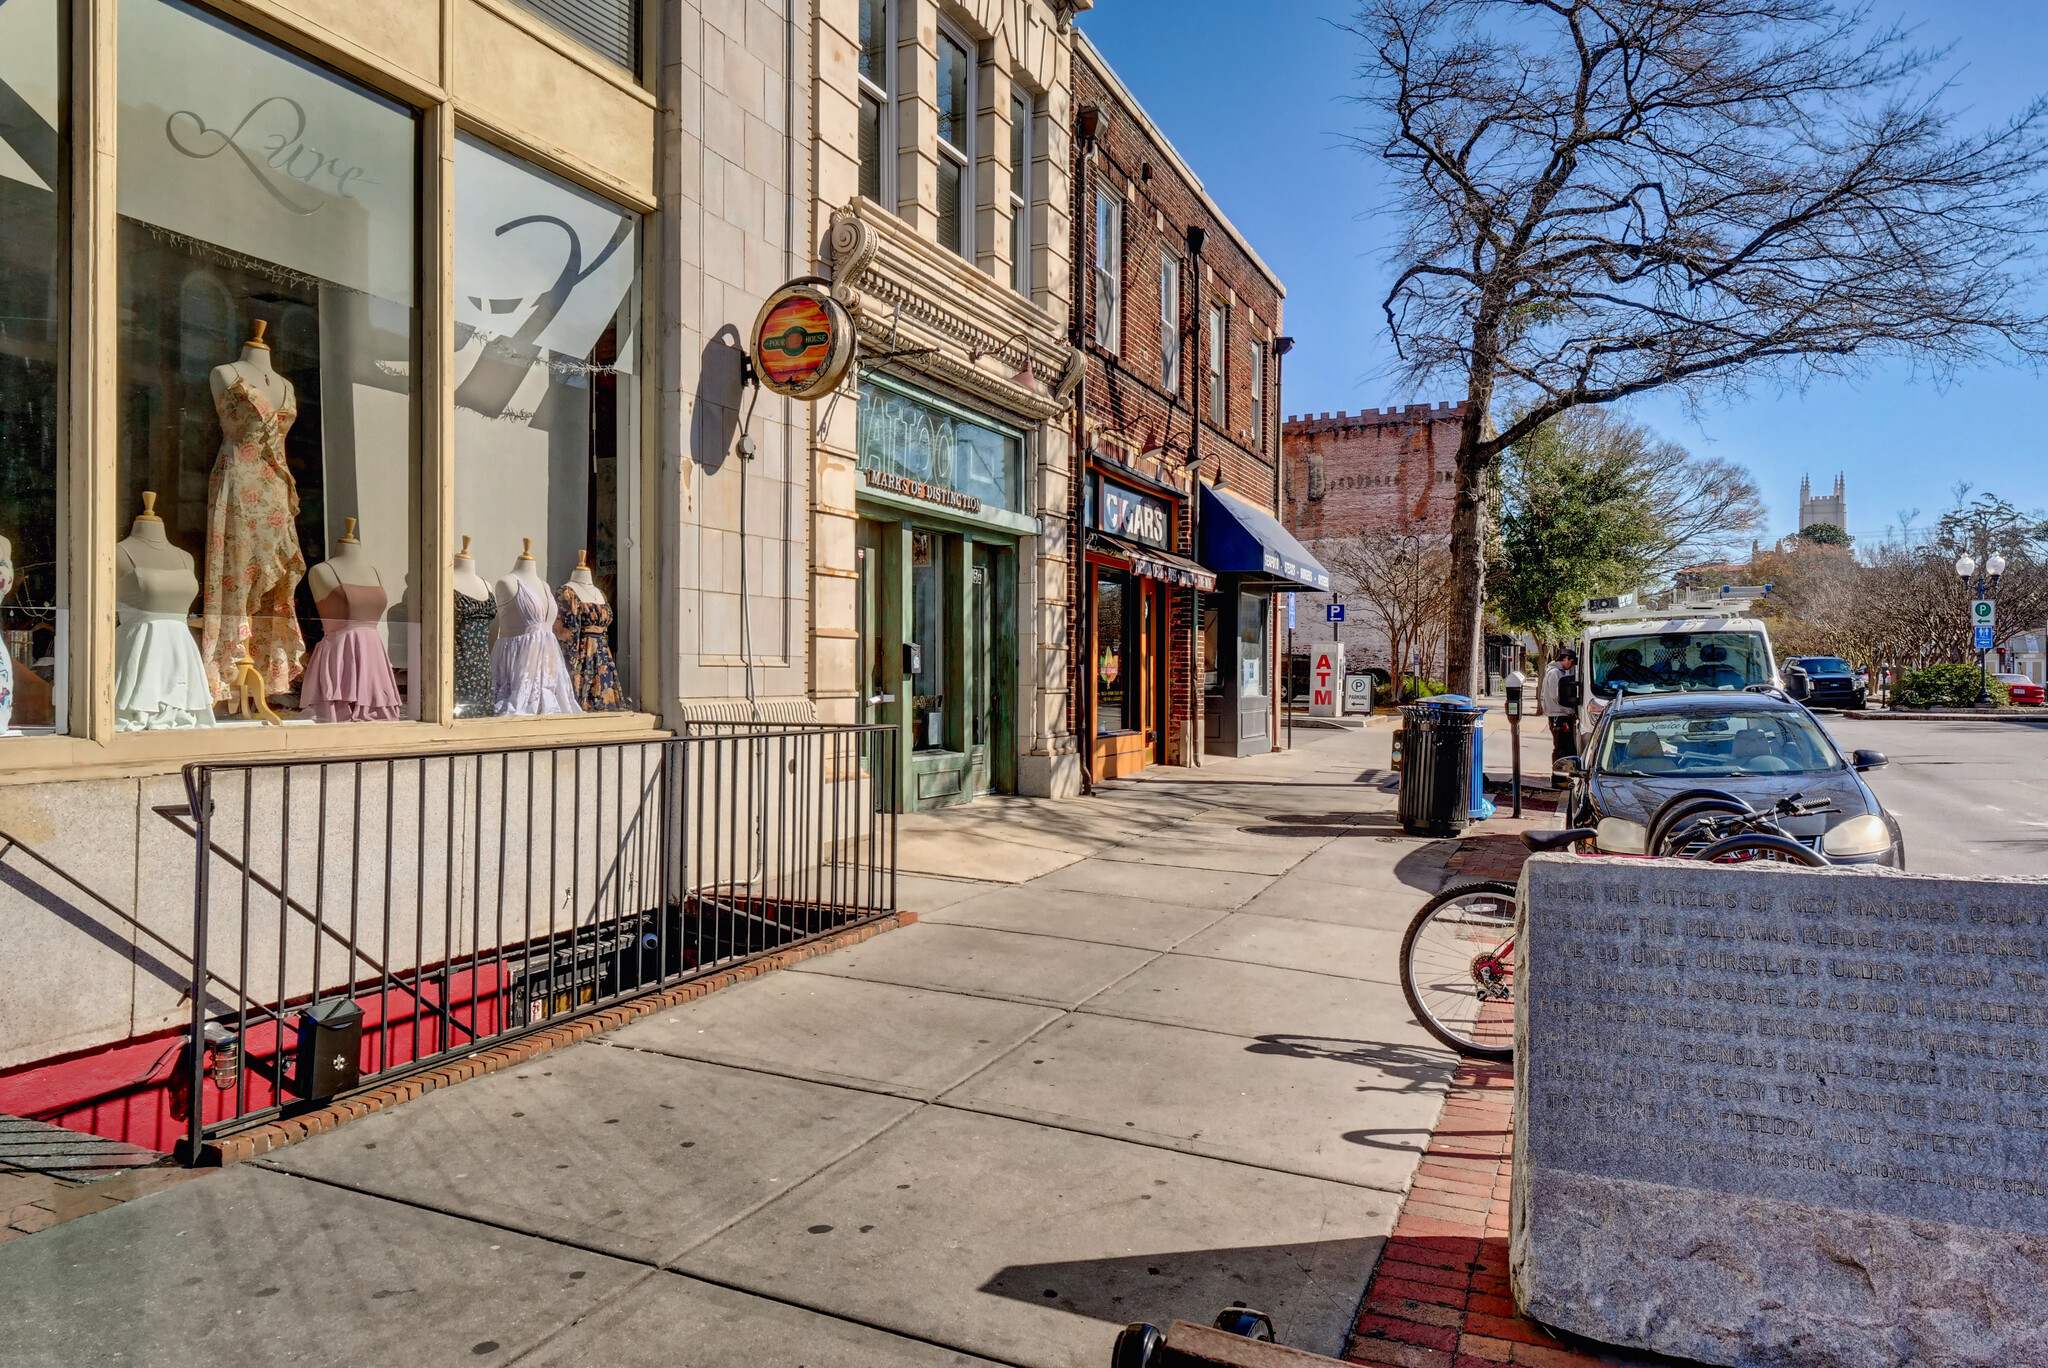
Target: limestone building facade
(451, 296)
(939, 207)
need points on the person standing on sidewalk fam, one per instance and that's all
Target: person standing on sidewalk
(1559, 697)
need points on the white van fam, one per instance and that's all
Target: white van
(1624, 653)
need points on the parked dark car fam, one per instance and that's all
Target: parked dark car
(1750, 748)
(1823, 682)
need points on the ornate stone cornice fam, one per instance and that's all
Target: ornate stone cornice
(907, 294)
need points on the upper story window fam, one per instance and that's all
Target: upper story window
(1109, 271)
(1219, 338)
(610, 28)
(956, 133)
(1020, 193)
(877, 128)
(1169, 323)
(1258, 385)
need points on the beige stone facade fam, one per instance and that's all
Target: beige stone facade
(948, 325)
(699, 141)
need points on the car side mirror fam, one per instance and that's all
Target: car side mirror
(1570, 766)
(1869, 760)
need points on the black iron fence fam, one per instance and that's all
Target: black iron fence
(357, 919)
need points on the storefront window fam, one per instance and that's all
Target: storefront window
(928, 599)
(1114, 658)
(269, 443)
(922, 442)
(33, 620)
(546, 413)
(1251, 645)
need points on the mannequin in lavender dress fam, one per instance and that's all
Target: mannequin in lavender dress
(528, 675)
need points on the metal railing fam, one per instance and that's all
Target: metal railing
(418, 907)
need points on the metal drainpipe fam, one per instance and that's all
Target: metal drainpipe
(1080, 663)
(1196, 741)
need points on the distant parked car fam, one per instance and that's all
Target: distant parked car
(2022, 690)
(1824, 682)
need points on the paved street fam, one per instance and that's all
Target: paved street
(1971, 796)
(1144, 1057)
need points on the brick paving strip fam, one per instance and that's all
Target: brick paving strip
(68, 1175)
(1439, 1297)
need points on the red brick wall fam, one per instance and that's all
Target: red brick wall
(1126, 411)
(1371, 472)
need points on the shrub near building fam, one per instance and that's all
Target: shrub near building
(1947, 686)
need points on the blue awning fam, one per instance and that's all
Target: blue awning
(1238, 539)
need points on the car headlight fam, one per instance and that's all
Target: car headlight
(1865, 835)
(1617, 837)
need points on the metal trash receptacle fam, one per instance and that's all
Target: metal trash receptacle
(1436, 767)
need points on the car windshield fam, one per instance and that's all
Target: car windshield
(1824, 665)
(1677, 662)
(1716, 745)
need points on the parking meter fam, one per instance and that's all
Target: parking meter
(1513, 685)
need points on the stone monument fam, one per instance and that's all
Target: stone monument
(1783, 1116)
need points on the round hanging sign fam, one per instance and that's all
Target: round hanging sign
(803, 342)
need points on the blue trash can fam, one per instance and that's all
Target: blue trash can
(1482, 806)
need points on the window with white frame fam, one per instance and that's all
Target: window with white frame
(1219, 334)
(1109, 271)
(1020, 193)
(877, 127)
(956, 133)
(1169, 322)
(1258, 382)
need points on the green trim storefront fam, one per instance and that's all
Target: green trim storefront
(941, 498)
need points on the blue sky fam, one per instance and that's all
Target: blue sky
(1255, 95)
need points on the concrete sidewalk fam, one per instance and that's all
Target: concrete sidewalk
(1144, 1056)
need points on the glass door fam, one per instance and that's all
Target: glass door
(982, 638)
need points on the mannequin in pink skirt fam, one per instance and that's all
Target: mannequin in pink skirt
(349, 678)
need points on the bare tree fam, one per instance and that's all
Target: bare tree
(1598, 198)
(1404, 585)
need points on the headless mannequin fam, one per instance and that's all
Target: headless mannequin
(253, 368)
(348, 565)
(7, 566)
(525, 572)
(146, 547)
(468, 582)
(580, 582)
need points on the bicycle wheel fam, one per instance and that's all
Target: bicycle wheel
(1458, 969)
(1758, 848)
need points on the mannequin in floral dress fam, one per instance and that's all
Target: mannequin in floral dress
(583, 622)
(253, 561)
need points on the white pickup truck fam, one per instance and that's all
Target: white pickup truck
(1702, 646)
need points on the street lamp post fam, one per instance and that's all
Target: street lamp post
(1986, 587)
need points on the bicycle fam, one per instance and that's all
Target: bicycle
(1458, 957)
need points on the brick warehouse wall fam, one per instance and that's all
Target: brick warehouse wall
(1348, 474)
(1374, 471)
(1126, 411)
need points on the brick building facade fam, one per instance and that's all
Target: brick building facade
(1353, 474)
(1181, 362)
